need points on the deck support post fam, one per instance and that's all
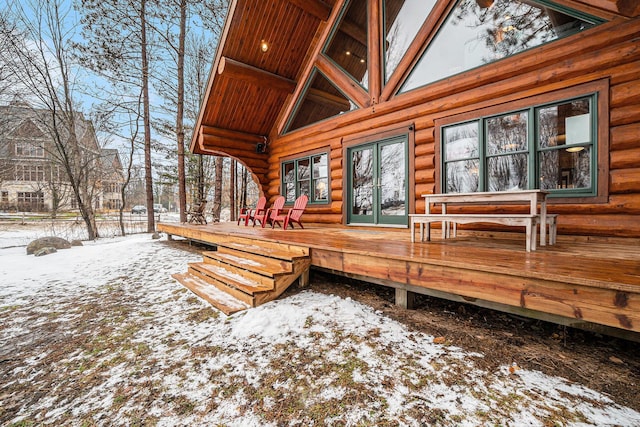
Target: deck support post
(404, 298)
(304, 279)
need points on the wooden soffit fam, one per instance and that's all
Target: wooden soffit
(249, 84)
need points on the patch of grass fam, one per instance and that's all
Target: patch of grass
(203, 315)
(192, 300)
(140, 419)
(184, 406)
(308, 322)
(120, 398)
(141, 350)
(206, 351)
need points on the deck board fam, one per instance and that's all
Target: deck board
(580, 278)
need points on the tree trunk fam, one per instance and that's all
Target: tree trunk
(243, 194)
(148, 178)
(182, 192)
(232, 190)
(217, 190)
(200, 189)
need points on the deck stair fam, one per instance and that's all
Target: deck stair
(244, 273)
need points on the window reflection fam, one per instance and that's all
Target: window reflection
(475, 35)
(504, 157)
(362, 166)
(349, 45)
(403, 19)
(507, 135)
(320, 101)
(392, 179)
(565, 137)
(309, 176)
(320, 179)
(460, 143)
(289, 180)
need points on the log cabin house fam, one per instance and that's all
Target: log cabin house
(366, 105)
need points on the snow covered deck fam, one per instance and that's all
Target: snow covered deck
(585, 282)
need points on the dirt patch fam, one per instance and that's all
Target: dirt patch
(602, 363)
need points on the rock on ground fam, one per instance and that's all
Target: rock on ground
(47, 242)
(45, 251)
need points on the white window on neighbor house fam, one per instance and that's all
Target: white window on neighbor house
(31, 200)
(28, 149)
(4, 196)
(29, 173)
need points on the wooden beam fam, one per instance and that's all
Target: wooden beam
(630, 8)
(231, 134)
(354, 31)
(375, 51)
(211, 144)
(606, 9)
(326, 98)
(345, 83)
(239, 71)
(317, 8)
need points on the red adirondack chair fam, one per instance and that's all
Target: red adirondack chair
(248, 214)
(265, 217)
(293, 215)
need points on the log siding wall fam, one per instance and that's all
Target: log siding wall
(609, 52)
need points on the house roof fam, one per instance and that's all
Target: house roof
(249, 87)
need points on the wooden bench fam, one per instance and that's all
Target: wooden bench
(550, 222)
(529, 221)
(532, 198)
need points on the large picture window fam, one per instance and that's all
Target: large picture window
(306, 175)
(550, 147)
(482, 32)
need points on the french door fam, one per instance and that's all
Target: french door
(378, 182)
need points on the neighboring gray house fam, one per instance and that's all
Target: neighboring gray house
(31, 176)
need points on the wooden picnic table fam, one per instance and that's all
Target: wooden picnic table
(536, 199)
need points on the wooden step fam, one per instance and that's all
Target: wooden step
(251, 272)
(229, 278)
(254, 277)
(264, 266)
(283, 252)
(250, 261)
(245, 297)
(214, 296)
(265, 245)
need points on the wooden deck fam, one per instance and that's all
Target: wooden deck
(585, 282)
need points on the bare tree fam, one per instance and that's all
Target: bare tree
(217, 191)
(7, 34)
(39, 56)
(117, 47)
(185, 78)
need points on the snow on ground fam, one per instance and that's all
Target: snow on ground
(101, 335)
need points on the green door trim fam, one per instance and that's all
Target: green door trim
(374, 215)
